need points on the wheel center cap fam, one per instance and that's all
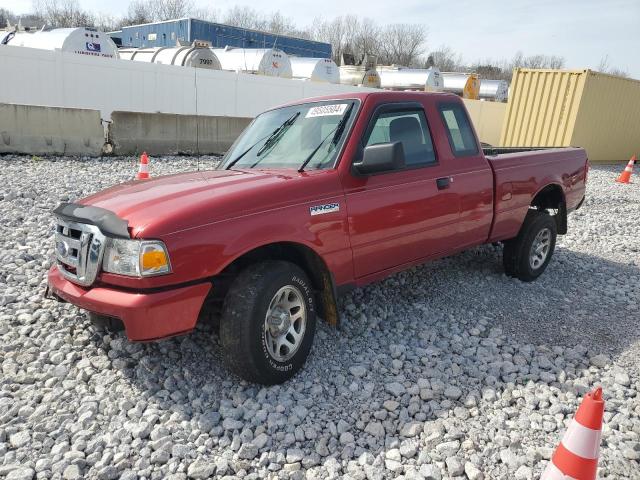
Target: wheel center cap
(279, 321)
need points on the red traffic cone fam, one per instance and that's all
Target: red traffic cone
(143, 171)
(625, 176)
(576, 458)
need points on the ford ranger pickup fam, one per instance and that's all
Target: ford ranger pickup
(313, 199)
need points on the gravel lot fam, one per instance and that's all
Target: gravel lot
(450, 370)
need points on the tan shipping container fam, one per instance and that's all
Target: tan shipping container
(581, 108)
(488, 118)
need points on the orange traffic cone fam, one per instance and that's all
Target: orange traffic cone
(143, 172)
(577, 455)
(625, 176)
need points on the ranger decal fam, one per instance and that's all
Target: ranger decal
(326, 208)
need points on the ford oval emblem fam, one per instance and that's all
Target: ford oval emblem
(62, 249)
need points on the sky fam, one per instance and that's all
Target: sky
(581, 31)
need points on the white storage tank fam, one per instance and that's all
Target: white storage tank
(82, 40)
(467, 85)
(315, 69)
(359, 76)
(261, 61)
(496, 90)
(187, 56)
(394, 78)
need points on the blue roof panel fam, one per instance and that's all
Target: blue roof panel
(169, 33)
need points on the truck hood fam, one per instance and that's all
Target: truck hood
(173, 203)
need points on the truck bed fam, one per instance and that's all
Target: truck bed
(521, 173)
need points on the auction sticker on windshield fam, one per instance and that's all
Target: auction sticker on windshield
(327, 110)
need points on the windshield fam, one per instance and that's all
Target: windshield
(307, 136)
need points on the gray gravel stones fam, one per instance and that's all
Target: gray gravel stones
(21, 473)
(472, 472)
(201, 469)
(72, 472)
(395, 388)
(19, 439)
(452, 392)
(449, 370)
(600, 360)
(248, 451)
(455, 467)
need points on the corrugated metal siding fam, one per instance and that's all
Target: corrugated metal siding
(165, 34)
(608, 124)
(542, 107)
(222, 35)
(595, 111)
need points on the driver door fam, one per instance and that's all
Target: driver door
(401, 216)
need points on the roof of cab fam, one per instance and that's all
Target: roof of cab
(362, 96)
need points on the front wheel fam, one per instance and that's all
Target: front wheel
(268, 322)
(527, 256)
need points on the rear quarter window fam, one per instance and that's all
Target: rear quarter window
(461, 138)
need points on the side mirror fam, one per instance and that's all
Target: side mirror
(380, 158)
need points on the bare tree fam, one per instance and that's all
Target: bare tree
(244, 17)
(490, 71)
(275, 22)
(139, 11)
(6, 17)
(61, 13)
(537, 61)
(105, 22)
(147, 11)
(207, 13)
(279, 24)
(170, 9)
(366, 39)
(605, 67)
(445, 59)
(333, 32)
(402, 44)
(397, 43)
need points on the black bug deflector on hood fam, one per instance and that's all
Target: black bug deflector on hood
(108, 222)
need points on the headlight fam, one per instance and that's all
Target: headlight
(136, 258)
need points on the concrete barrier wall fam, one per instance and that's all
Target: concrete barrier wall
(488, 118)
(162, 133)
(45, 130)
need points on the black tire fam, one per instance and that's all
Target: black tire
(518, 251)
(242, 324)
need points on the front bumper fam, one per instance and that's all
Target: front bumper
(146, 316)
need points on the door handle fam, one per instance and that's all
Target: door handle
(443, 183)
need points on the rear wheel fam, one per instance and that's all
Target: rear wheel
(527, 256)
(268, 322)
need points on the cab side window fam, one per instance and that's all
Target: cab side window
(409, 127)
(459, 131)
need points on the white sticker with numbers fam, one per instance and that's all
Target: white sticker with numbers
(327, 110)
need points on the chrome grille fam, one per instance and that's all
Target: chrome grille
(79, 248)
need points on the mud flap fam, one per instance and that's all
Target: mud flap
(329, 297)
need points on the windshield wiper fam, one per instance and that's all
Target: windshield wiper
(276, 133)
(338, 129)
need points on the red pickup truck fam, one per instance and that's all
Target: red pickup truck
(314, 198)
